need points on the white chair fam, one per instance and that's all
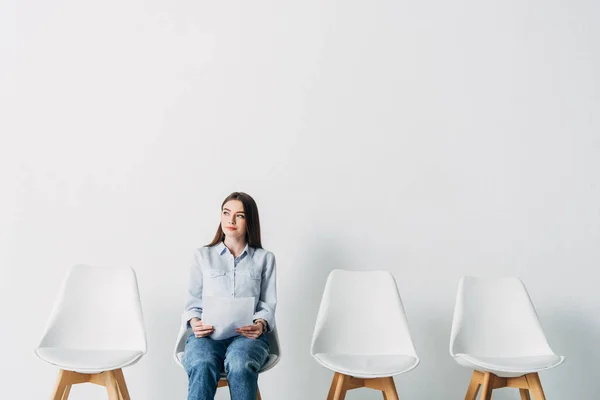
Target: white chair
(496, 332)
(274, 353)
(362, 334)
(96, 328)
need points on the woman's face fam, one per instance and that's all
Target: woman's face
(233, 220)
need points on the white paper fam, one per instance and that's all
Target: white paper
(226, 314)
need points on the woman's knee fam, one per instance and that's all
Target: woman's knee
(200, 363)
(241, 363)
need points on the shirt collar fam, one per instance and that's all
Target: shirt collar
(222, 249)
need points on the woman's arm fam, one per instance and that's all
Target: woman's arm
(193, 305)
(265, 309)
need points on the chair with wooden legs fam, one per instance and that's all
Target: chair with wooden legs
(497, 333)
(96, 328)
(274, 353)
(362, 334)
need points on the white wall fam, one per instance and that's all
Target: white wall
(433, 139)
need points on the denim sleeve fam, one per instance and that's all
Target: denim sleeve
(193, 305)
(267, 302)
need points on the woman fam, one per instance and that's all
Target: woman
(234, 264)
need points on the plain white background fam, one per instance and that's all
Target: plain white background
(433, 139)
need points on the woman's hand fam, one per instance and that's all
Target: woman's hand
(251, 331)
(200, 330)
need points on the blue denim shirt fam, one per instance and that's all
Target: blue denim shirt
(215, 272)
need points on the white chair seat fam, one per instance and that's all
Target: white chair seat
(509, 366)
(367, 366)
(271, 361)
(88, 361)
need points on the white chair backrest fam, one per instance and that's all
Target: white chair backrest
(274, 346)
(361, 313)
(97, 308)
(496, 318)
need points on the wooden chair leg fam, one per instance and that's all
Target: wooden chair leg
(473, 387)
(341, 383)
(524, 394)
(114, 381)
(337, 390)
(120, 378)
(390, 389)
(333, 386)
(488, 385)
(222, 383)
(343, 393)
(535, 386)
(258, 394)
(65, 395)
(111, 386)
(340, 391)
(62, 382)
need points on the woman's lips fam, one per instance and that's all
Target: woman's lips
(231, 228)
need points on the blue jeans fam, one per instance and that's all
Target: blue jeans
(240, 357)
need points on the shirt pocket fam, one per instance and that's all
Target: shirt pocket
(249, 281)
(215, 282)
(214, 273)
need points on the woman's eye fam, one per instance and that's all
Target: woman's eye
(225, 213)
(240, 215)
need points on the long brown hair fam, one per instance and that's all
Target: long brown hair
(252, 221)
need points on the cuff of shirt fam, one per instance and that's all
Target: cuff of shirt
(267, 317)
(188, 315)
